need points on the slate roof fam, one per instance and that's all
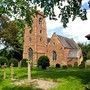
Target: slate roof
(75, 50)
(68, 43)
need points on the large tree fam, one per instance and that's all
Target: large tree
(11, 35)
(85, 51)
(25, 9)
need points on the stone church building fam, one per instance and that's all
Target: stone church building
(59, 49)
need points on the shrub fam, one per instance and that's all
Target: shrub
(75, 64)
(58, 65)
(82, 65)
(69, 66)
(24, 63)
(43, 61)
(64, 67)
(14, 61)
(3, 60)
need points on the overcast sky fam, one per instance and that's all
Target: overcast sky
(77, 29)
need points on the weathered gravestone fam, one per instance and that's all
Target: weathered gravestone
(12, 71)
(4, 70)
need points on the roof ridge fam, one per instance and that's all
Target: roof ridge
(67, 42)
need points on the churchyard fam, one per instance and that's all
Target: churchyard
(14, 78)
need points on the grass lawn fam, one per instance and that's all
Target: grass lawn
(67, 79)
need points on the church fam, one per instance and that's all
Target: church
(60, 50)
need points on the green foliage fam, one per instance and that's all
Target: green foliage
(24, 63)
(14, 61)
(11, 35)
(85, 51)
(27, 8)
(88, 55)
(64, 67)
(43, 61)
(11, 55)
(69, 79)
(82, 65)
(3, 60)
(20, 88)
(75, 64)
(69, 65)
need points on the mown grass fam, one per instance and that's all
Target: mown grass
(67, 79)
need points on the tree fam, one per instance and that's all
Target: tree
(25, 9)
(85, 51)
(11, 35)
(43, 61)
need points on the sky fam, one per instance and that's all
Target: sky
(76, 29)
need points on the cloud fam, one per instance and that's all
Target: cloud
(76, 29)
(85, 4)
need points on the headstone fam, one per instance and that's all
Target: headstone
(4, 70)
(12, 71)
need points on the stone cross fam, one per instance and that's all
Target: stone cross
(12, 71)
(4, 70)
(29, 70)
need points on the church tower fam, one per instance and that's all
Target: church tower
(35, 40)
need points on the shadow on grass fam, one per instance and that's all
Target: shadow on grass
(20, 88)
(82, 74)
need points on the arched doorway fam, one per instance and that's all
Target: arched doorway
(30, 53)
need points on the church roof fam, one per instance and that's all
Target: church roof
(75, 51)
(68, 43)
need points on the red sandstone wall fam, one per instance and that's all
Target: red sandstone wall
(55, 45)
(36, 40)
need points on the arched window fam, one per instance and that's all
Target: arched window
(40, 20)
(30, 53)
(54, 55)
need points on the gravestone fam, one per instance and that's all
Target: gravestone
(12, 71)
(4, 70)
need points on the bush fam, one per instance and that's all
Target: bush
(82, 65)
(24, 63)
(64, 67)
(75, 64)
(43, 61)
(58, 65)
(3, 60)
(69, 66)
(14, 61)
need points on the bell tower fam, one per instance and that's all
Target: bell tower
(35, 40)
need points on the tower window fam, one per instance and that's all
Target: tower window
(30, 31)
(40, 38)
(54, 56)
(30, 39)
(40, 20)
(40, 31)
